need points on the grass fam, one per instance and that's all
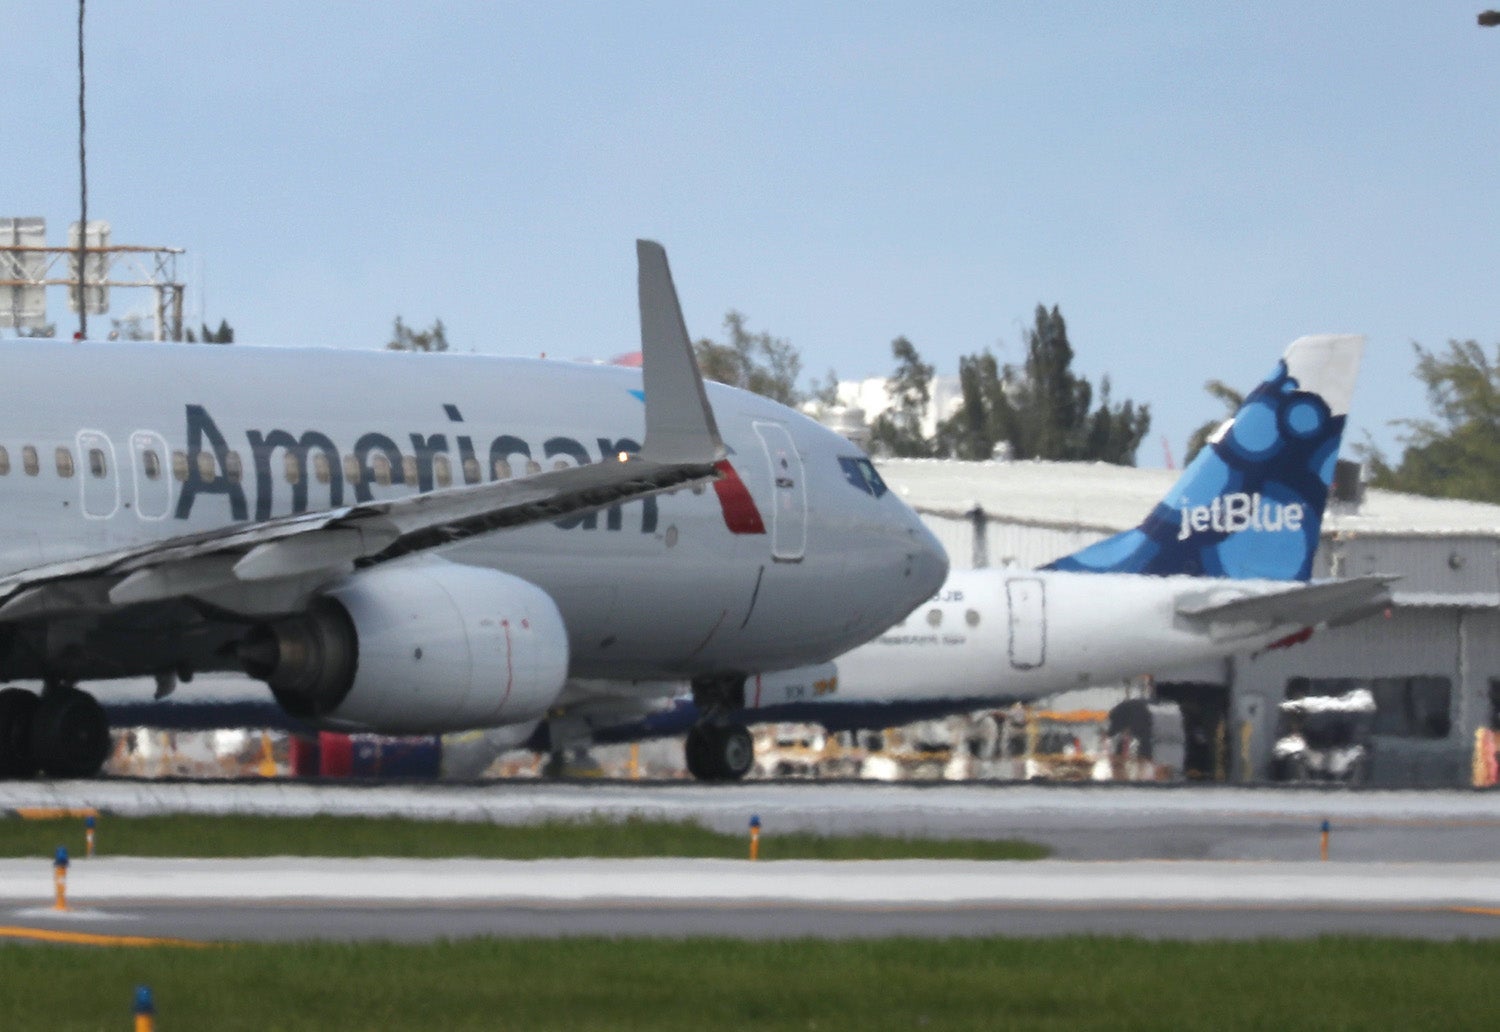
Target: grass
(207, 836)
(1071, 984)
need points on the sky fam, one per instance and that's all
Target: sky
(1194, 185)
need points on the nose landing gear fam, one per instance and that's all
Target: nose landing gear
(62, 734)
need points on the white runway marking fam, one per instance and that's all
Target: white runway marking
(899, 882)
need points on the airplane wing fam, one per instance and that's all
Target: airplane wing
(1331, 603)
(301, 551)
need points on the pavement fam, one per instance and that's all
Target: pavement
(1161, 863)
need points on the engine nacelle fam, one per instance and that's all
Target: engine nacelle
(416, 647)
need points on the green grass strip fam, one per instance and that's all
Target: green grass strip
(200, 836)
(1068, 985)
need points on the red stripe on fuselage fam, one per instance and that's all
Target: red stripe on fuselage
(740, 514)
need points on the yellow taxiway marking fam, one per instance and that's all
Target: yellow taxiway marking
(53, 813)
(92, 939)
(1482, 911)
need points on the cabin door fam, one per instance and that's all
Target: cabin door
(788, 493)
(1028, 622)
(98, 480)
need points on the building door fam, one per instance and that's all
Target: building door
(153, 484)
(788, 493)
(98, 480)
(1028, 622)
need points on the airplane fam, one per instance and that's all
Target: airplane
(415, 544)
(1220, 566)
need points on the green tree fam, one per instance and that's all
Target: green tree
(223, 335)
(1232, 400)
(404, 338)
(757, 362)
(1041, 409)
(1455, 454)
(898, 430)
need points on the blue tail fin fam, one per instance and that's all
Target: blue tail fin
(1250, 504)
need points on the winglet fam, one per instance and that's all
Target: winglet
(680, 426)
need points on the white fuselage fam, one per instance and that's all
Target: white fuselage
(112, 444)
(1002, 635)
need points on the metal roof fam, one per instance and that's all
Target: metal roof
(1101, 497)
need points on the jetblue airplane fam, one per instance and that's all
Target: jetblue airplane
(1220, 566)
(421, 544)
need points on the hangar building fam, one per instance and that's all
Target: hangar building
(1431, 662)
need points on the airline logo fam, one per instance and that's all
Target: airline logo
(1238, 512)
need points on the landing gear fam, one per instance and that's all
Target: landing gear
(718, 749)
(64, 734)
(719, 752)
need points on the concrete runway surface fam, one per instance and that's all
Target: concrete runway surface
(1190, 862)
(296, 898)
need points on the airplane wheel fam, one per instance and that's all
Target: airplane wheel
(17, 712)
(736, 754)
(70, 734)
(697, 752)
(719, 753)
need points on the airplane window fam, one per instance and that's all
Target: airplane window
(352, 470)
(151, 464)
(4, 461)
(409, 469)
(442, 471)
(29, 461)
(934, 617)
(293, 467)
(972, 618)
(180, 465)
(97, 466)
(502, 469)
(207, 469)
(471, 470)
(380, 468)
(233, 468)
(64, 462)
(321, 469)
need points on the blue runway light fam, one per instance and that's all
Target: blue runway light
(61, 859)
(144, 1004)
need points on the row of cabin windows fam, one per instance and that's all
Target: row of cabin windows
(31, 463)
(380, 466)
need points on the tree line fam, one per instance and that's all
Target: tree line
(1036, 409)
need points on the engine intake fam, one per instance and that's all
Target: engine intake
(420, 647)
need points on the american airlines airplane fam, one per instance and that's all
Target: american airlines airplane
(1220, 566)
(421, 544)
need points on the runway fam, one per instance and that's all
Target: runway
(291, 898)
(1078, 822)
(1161, 862)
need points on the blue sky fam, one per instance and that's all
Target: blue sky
(1194, 184)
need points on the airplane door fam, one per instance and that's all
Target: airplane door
(153, 486)
(98, 480)
(788, 493)
(1028, 622)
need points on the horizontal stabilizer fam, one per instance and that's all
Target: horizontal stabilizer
(1331, 603)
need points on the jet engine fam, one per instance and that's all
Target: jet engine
(420, 647)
